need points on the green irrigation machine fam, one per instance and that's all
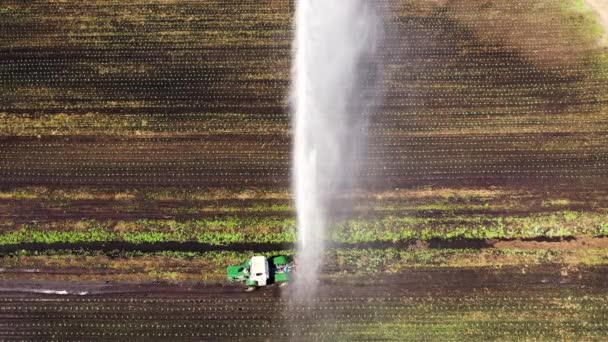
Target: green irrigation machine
(260, 271)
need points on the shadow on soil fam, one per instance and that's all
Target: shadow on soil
(263, 247)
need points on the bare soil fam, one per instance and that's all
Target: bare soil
(477, 94)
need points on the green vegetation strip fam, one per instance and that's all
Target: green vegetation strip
(229, 230)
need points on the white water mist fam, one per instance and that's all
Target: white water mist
(601, 8)
(334, 44)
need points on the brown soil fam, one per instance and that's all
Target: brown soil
(477, 93)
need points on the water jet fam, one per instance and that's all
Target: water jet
(334, 45)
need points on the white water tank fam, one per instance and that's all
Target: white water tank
(259, 270)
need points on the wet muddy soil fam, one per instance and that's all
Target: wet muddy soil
(422, 303)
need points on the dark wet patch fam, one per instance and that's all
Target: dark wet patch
(111, 246)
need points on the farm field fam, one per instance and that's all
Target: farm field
(184, 94)
(146, 145)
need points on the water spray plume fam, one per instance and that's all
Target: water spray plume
(334, 45)
(601, 8)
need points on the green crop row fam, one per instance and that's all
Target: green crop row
(390, 228)
(231, 230)
(28, 235)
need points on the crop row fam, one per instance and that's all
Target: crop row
(230, 230)
(243, 197)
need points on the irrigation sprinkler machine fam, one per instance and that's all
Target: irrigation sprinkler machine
(260, 271)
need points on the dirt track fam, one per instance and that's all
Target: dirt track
(549, 303)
